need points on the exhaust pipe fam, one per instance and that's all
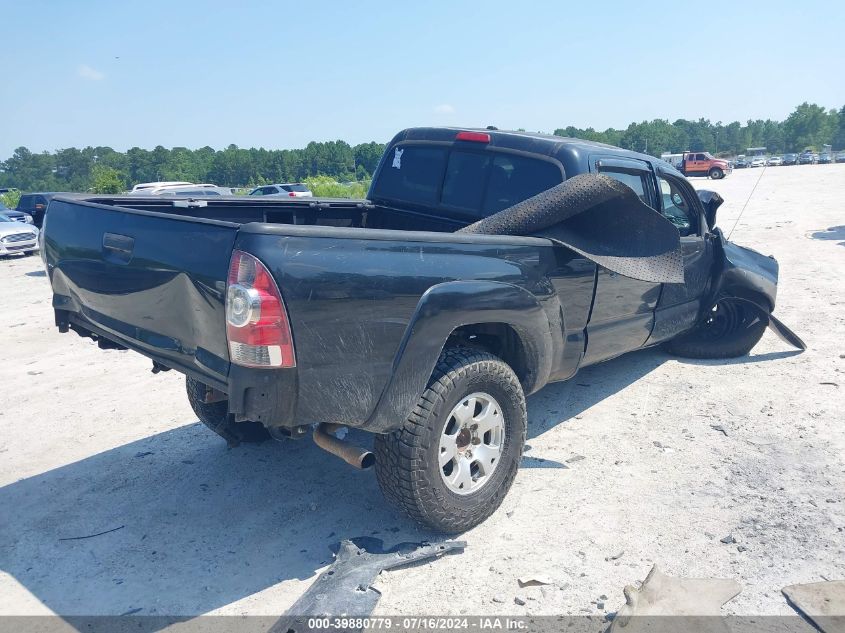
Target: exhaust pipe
(355, 456)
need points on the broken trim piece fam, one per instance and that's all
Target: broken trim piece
(344, 589)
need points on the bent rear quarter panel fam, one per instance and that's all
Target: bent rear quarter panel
(351, 300)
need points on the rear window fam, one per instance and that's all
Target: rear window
(466, 175)
(300, 188)
(412, 174)
(476, 183)
(516, 178)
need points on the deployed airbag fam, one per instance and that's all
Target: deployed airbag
(603, 220)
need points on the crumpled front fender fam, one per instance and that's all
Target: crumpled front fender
(746, 275)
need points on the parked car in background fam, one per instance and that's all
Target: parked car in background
(825, 159)
(742, 162)
(191, 192)
(807, 158)
(758, 161)
(840, 157)
(290, 189)
(15, 216)
(699, 164)
(35, 204)
(181, 189)
(790, 159)
(145, 187)
(775, 161)
(17, 237)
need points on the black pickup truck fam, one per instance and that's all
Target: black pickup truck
(406, 314)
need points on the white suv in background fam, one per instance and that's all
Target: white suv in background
(179, 189)
(292, 189)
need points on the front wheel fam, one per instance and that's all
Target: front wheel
(216, 416)
(716, 174)
(454, 459)
(732, 329)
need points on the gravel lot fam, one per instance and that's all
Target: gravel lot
(622, 459)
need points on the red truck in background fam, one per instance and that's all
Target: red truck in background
(699, 164)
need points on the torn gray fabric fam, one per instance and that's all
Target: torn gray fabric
(601, 219)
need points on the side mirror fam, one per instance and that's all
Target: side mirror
(711, 201)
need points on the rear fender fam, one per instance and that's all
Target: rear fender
(444, 308)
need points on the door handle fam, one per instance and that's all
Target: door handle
(118, 248)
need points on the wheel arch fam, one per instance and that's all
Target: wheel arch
(501, 318)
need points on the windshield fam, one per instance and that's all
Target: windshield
(3, 207)
(5, 218)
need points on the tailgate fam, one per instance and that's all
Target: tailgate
(151, 281)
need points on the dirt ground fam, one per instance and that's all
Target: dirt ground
(625, 468)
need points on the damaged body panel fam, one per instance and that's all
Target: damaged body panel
(345, 588)
(538, 255)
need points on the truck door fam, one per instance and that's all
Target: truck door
(698, 163)
(623, 308)
(679, 304)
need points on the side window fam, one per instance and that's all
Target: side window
(677, 207)
(636, 180)
(26, 202)
(517, 178)
(258, 192)
(466, 175)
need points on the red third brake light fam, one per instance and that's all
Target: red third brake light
(257, 325)
(475, 137)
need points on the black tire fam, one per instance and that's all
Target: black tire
(733, 330)
(716, 174)
(407, 465)
(216, 417)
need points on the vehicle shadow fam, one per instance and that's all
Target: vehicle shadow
(559, 402)
(196, 526)
(831, 233)
(36, 273)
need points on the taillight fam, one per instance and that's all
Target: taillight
(475, 137)
(256, 320)
(292, 194)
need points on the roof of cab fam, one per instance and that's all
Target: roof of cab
(573, 153)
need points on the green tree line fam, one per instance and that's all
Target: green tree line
(105, 170)
(808, 126)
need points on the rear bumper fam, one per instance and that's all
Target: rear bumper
(263, 395)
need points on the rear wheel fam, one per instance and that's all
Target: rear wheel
(732, 329)
(716, 174)
(451, 464)
(215, 415)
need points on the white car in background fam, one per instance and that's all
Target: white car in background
(144, 188)
(758, 161)
(173, 188)
(291, 189)
(775, 161)
(17, 237)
